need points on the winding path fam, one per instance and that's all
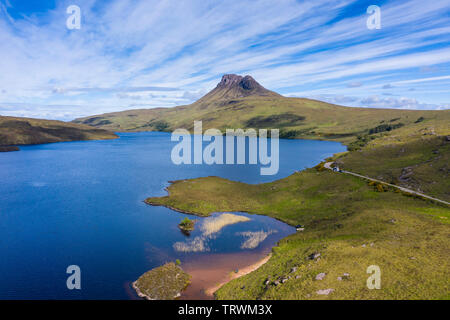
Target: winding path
(328, 166)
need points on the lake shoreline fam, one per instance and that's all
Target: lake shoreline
(242, 272)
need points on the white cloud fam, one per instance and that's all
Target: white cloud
(377, 101)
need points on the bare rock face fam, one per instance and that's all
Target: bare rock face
(233, 86)
(243, 84)
(229, 80)
(248, 83)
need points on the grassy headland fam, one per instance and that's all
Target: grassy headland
(349, 223)
(19, 131)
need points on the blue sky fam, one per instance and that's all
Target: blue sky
(142, 53)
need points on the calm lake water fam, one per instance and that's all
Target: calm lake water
(81, 203)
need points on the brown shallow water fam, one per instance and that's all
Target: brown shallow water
(210, 270)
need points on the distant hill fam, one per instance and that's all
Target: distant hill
(241, 102)
(19, 131)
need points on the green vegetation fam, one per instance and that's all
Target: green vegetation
(413, 158)
(420, 119)
(187, 224)
(385, 127)
(20, 131)
(347, 221)
(162, 283)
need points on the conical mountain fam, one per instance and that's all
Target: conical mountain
(233, 86)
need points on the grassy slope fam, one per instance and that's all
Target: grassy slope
(18, 131)
(416, 157)
(341, 214)
(296, 117)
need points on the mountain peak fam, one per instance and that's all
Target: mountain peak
(233, 86)
(229, 80)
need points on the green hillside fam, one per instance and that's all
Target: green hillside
(19, 131)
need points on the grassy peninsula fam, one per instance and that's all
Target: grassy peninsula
(349, 225)
(16, 131)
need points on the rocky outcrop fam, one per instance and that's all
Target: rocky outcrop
(233, 86)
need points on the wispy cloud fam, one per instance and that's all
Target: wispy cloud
(377, 101)
(164, 53)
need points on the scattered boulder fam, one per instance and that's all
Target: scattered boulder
(321, 276)
(324, 291)
(314, 256)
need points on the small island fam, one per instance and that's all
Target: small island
(186, 225)
(162, 283)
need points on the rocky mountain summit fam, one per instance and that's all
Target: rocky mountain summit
(233, 86)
